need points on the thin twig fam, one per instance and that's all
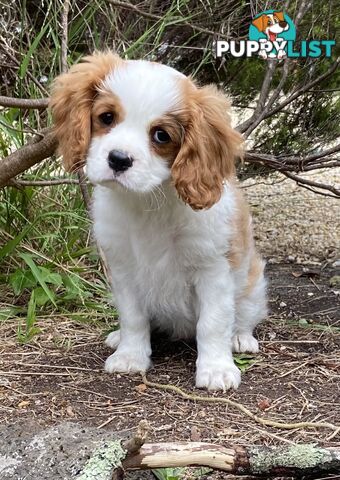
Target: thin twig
(240, 407)
(304, 182)
(299, 91)
(64, 36)
(157, 18)
(45, 183)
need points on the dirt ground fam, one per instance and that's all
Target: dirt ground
(59, 376)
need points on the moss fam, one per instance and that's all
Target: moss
(104, 460)
(296, 456)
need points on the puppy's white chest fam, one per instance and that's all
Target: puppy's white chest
(164, 278)
(159, 254)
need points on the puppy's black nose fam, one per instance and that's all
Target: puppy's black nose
(283, 24)
(119, 161)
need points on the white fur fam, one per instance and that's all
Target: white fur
(147, 91)
(168, 262)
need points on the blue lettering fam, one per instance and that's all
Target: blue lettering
(290, 50)
(328, 44)
(314, 49)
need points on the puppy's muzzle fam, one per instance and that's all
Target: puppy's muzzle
(119, 161)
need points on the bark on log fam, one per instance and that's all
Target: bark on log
(292, 460)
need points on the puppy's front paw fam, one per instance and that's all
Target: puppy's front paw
(245, 342)
(126, 362)
(218, 376)
(113, 339)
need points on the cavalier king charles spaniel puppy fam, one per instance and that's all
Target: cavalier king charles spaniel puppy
(167, 210)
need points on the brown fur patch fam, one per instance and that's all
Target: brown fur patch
(279, 16)
(254, 273)
(261, 23)
(103, 103)
(209, 148)
(242, 242)
(71, 102)
(242, 239)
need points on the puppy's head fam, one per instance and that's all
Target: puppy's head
(272, 24)
(138, 124)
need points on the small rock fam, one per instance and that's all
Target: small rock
(335, 281)
(195, 434)
(282, 304)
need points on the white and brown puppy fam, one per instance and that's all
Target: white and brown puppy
(167, 211)
(271, 24)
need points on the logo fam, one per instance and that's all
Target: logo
(272, 30)
(272, 34)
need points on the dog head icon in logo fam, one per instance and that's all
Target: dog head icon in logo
(271, 28)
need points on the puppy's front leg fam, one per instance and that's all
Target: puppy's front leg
(215, 368)
(134, 349)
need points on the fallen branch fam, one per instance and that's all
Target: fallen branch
(241, 408)
(113, 458)
(285, 461)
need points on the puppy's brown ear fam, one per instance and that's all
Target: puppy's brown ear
(259, 23)
(71, 103)
(279, 15)
(210, 146)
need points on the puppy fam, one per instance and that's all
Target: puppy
(272, 25)
(167, 210)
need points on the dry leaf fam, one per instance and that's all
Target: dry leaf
(141, 388)
(23, 404)
(263, 404)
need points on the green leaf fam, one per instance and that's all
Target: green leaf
(169, 473)
(51, 277)
(41, 297)
(30, 328)
(21, 279)
(38, 275)
(10, 246)
(243, 361)
(8, 312)
(33, 47)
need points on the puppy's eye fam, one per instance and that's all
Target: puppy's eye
(160, 136)
(107, 118)
(270, 22)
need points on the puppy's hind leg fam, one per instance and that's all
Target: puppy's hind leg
(113, 339)
(251, 309)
